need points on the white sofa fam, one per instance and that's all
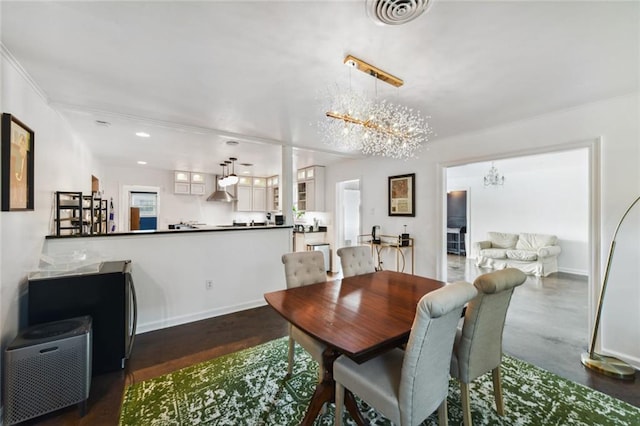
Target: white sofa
(534, 254)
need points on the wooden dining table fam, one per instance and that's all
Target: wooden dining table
(360, 317)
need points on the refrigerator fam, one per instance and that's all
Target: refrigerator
(107, 295)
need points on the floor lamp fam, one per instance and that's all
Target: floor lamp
(608, 365)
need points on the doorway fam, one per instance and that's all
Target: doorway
(570, 189)
(348, 214)
(139, 208)
(457, 222)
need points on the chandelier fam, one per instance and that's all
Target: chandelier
(354, 121)
(493, 178)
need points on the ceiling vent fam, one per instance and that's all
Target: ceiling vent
(396, 12)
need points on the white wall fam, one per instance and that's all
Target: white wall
(546, 193)
(62, 163)
(615, 120)
(169, 270)
(174, 208)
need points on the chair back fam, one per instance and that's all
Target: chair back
(479, 348)
(424, 381)
(304, 268)
(356, 260)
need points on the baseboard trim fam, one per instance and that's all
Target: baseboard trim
(184, 319)
(574, 271)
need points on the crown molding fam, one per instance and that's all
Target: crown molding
(11, 60)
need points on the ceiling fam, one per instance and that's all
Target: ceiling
(197, 74)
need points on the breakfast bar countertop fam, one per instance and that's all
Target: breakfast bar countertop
(173, 231)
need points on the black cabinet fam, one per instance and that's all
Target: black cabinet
(107, 295)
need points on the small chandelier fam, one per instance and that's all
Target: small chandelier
(356, 122)
(493, 178)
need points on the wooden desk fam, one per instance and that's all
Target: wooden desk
(360, 316)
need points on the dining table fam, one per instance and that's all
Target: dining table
(360, 317)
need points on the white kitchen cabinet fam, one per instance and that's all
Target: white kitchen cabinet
(259, 203)
(180, 188)
(251, 193)
(188, 183)
(311, 188)
(244, 197)
(273, 194)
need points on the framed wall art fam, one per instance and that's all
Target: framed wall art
(17, 165)
(402, 195)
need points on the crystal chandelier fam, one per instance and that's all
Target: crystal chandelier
(493, 178)
(357, 122)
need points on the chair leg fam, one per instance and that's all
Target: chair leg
(466, 406)
(497, 390)
(443, 419)
(292, 345)
(339, 397)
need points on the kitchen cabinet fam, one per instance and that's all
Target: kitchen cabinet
(188, 183)
(273, 194)
(251, 193)
(310, 188)
(196, 186)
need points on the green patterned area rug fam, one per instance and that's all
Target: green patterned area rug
(249, 388)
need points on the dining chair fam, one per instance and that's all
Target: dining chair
(300, 269)
(406, 386)
(356, 260)
(477, 348)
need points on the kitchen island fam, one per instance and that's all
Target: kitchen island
(186, 275)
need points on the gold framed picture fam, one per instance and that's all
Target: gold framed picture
(17, 165)
(402, 195)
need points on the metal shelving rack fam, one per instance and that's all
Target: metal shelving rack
(78, 214)
(455, 241)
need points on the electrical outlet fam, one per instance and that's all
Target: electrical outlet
(208, 284)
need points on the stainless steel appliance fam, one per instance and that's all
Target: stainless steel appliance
(107, 295)
(325, 248)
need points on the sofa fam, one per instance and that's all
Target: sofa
(533, 254)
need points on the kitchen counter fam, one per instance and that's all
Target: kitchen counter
(175, 231)
(305, 231)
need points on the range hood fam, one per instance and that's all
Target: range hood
(220, 194)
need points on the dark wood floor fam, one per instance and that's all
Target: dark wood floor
(546, 326)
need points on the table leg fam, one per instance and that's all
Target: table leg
(325, 392)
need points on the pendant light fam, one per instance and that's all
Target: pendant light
(232, 179)
(220, 194)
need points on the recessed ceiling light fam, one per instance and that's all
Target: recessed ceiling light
(142, 162)
(143, 134)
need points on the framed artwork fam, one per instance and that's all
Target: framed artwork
(17, 165)
(402, 195)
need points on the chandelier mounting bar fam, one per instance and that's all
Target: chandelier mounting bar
(374, 71)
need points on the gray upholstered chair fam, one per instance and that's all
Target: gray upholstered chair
(478, 345)
(356, 260)
(304, 268)
(407, 386)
